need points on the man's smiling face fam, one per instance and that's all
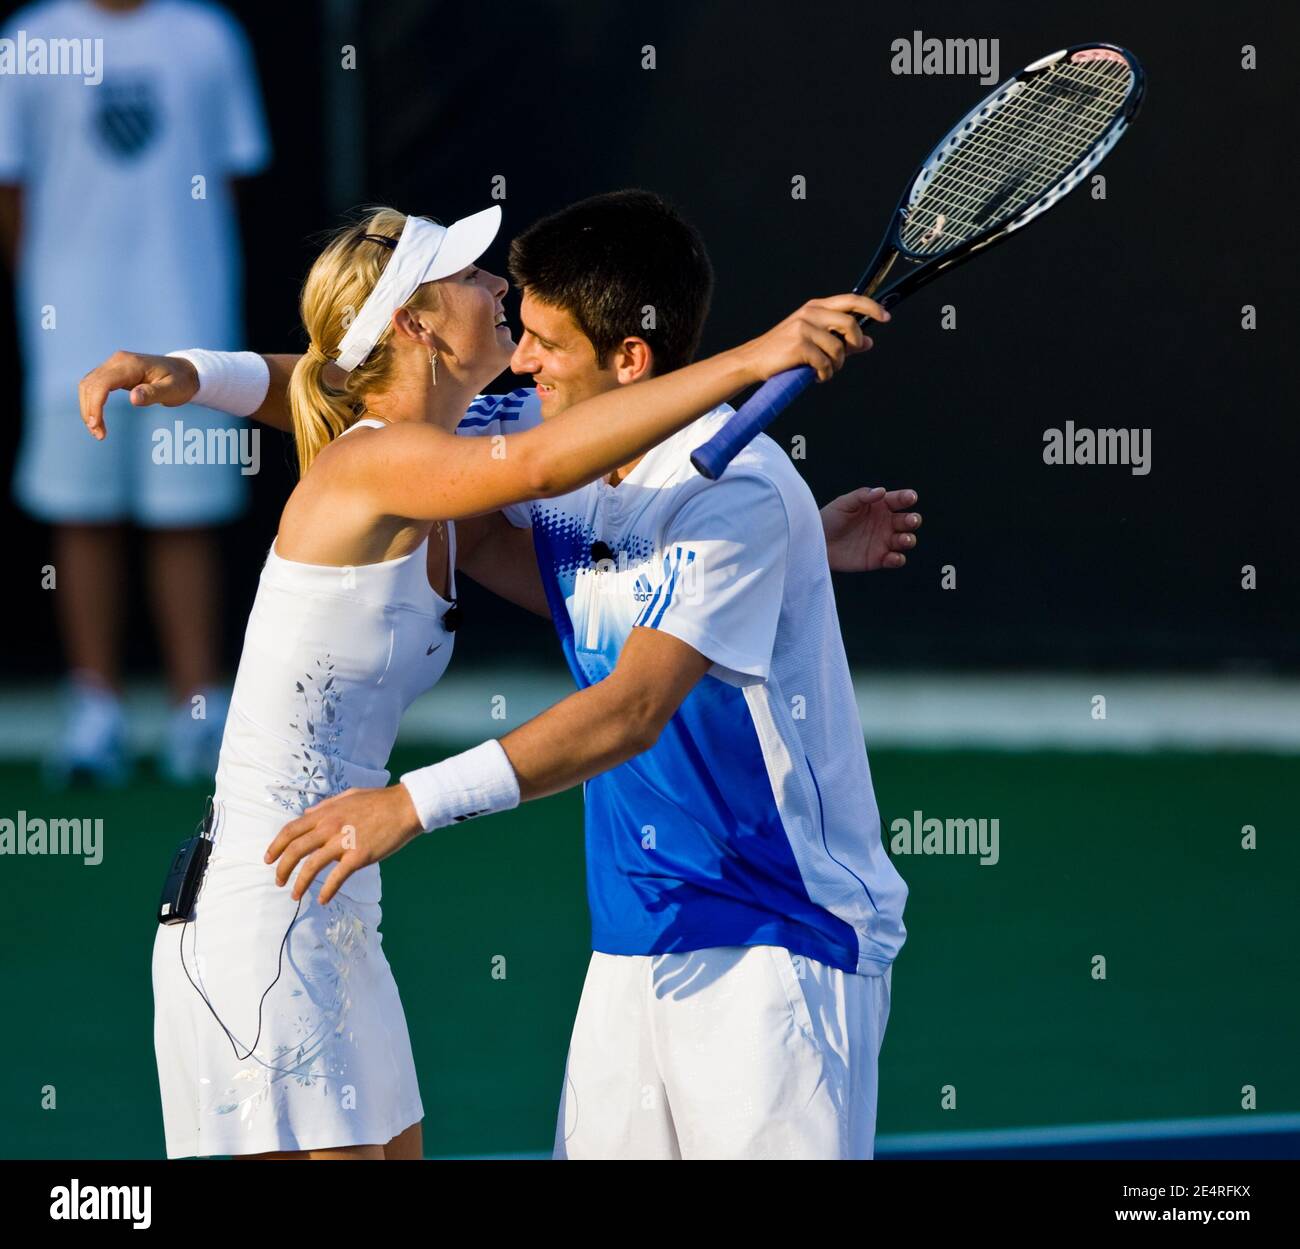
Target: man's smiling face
(559, 356)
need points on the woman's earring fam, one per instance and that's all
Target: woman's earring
(433, 364)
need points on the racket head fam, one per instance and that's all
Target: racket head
(1029, 142)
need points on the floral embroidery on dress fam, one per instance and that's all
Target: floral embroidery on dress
(314, 1059)
(319, 771)
(314, 1047)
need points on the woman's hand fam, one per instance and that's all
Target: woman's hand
(168, 380)
(821, 334)
(870, 528)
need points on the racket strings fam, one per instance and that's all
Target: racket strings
(1029, 133)
(1029, 146)
(1013, 156)
(1078, 134)
(1033, 138)
(1010, 159)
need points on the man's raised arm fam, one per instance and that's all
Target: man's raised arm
(239, 382)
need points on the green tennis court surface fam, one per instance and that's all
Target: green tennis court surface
(1136, 858)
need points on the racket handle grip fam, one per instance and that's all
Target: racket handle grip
(755, 415)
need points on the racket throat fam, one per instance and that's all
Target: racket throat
(872, 280)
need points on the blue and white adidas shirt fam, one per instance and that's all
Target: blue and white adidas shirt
(752, 820)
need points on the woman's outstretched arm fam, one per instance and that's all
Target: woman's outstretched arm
(424, 473)
(173, 380)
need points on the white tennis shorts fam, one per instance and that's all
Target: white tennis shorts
(731, 1052)
(333, 1065)
(145, 472)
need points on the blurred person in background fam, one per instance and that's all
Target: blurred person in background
(92, 173)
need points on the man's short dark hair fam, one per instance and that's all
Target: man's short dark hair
(623, 265)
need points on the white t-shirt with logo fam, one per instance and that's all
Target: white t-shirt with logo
(129, 234)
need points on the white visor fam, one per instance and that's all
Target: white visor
(425, 252)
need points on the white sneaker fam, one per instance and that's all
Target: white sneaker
(92, 747)
(193, 744)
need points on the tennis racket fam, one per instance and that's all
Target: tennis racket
(1033, 140)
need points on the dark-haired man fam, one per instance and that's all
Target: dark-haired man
(744, 915)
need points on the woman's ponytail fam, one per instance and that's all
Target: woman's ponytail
(342, 277)
(320, 414)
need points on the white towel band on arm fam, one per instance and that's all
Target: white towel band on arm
(229, 381)
(477, 782)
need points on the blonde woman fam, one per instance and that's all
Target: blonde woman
(278, 1027)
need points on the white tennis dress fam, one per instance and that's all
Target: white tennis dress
(332, 657)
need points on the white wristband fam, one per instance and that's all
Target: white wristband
(477, 782)
(229, 381)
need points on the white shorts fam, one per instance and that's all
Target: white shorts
(731, 1052)
(333, 1065)
(65, 477)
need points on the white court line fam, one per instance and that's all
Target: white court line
(1064, 1134)
(993, 711)
(996, 711)
(1017, 711)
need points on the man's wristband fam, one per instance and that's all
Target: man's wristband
(477, 782)
(229, 381)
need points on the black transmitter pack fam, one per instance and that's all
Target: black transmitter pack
(185, 876)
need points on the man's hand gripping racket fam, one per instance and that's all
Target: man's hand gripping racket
(1033, 140)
